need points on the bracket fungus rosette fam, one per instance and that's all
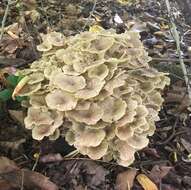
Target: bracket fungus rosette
(99, 89)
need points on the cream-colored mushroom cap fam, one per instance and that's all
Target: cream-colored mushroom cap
(115, 83)
(130, 113)
(36, 116)
(113, 108)
(90, 116)
(141, 111)
(126, 163)
(98, 152)
(83, 105)
(87, 63)
(61, 100)
(58, 118)
(70, 137)
(90, 137)
(69, 83)
(100, 44)
(99, 125)
(112, 66)
(35, 78)
(92, 89)
(44, 47)
(39, 132)
(56, 38)
(110, 132)
(69, 70)
(127, 118)
(139, 121)
(156, 98)
(153, 114)
(124, 132)
(147, 86)
(37, 101)
(138, 142)
(125, 150)
(99, 72)
(48, 71)
(55, 135)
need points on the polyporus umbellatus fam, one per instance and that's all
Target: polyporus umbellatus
(97, 87)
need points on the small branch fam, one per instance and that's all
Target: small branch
(4, 19)
(91, 13)
(177, 40)
(169, 59)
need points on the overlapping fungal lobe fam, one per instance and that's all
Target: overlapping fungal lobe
(97, 87)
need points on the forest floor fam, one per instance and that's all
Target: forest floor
(167, 159)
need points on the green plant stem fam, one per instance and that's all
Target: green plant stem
(4, 19)
(178, 48)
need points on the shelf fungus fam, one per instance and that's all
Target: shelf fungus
(96, 90)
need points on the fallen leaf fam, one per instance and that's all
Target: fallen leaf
(137, 26)
(12, 145)
(146, 183)
(17, 115)
(159, 172)
(187, 180)
(7, 165)
(186, 145)
(23, 177)
(97, 172)
(11, 46)
(125, 179)
(151, 152)
(4, 185)
(14, 28)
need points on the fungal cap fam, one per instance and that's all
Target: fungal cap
(61, 100)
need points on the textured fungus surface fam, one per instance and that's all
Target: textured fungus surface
(100, 88)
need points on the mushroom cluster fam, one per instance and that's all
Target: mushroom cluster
(98, 89)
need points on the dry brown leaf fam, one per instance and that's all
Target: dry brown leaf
(125, 179)
(186, 145)
(146, 183)
(14, 145)
(159, 172)
(7, 165)
(17, 115)
(22, 177)
(4, 185)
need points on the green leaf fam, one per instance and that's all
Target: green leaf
(1, 108)
(5, 94)
(20, 98)
(12, 80)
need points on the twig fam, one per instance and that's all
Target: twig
(169, 59)
(91, 13)
(36, 162)
(177, 40)
(4, 19)
(22, 180)
(99, 161)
